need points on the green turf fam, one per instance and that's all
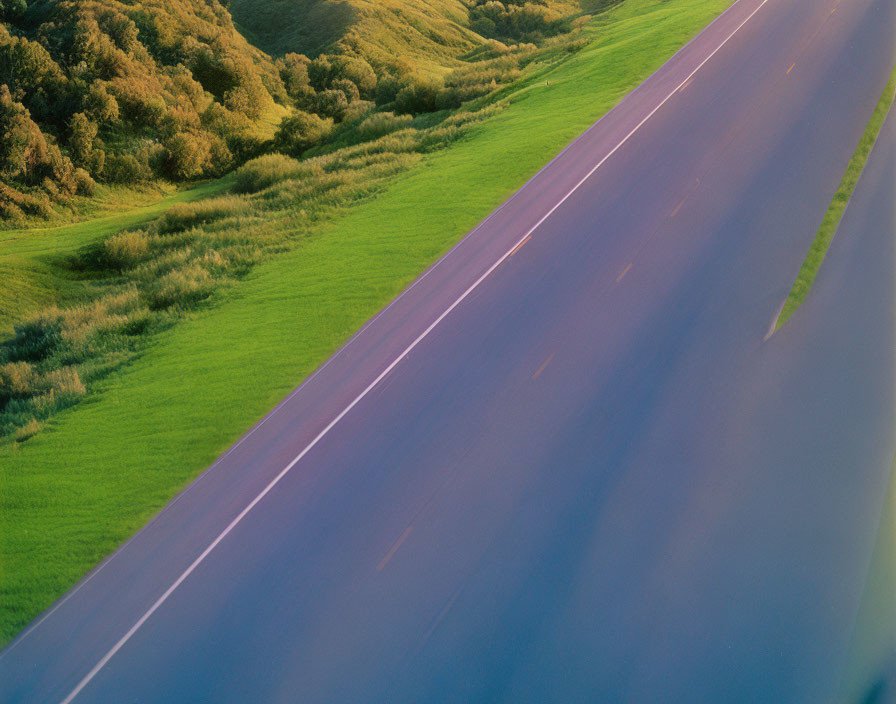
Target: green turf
(32, 260)
(73, 492)
(831, 221)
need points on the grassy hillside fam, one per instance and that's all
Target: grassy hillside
(420, 35)
(33, 262)
(70, 494)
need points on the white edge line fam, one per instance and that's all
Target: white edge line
(276, 480)
(465, 239)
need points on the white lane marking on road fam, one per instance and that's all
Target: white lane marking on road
(276, 480)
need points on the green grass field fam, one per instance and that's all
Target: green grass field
(824, 236)
(31, 260)
(72, 493)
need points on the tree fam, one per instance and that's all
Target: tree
(301, 131)
(320, 71)
(347, 88)
(294, 74)
(82, 133)
(187, 155)
(331, 103)
(100, 105)
(359, 72)
(15, 135)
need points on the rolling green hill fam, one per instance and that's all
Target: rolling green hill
(428, 35)
(424, 35)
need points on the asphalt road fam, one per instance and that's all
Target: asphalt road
(573, 472)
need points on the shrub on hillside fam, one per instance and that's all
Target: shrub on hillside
(387, 89)
(382, 123)
(126, 168)
(17, 380)
(125, 250)
(187, 156)
(331, 103)
(525, 20)
(265, 171)
(183, 287)
(82, 136)
(126, 73)
(301, 131)
(347, 88)
(418, 96)
(186, 215)
(293, 69)
(84, 184)
(36, 338)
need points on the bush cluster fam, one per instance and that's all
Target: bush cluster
(517, 20)
(124, 90)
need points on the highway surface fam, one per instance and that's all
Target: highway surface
(567, 464)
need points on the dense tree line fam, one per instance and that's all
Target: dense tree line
(518, 20)
(122, 91)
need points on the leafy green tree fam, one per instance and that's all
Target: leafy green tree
(331, 103)
(82, 133)
(100, 104)
(301, 131)
(187, 155)
(348, 89)
(15, 135)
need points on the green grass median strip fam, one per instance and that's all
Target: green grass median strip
(73, 492)
(824, 236)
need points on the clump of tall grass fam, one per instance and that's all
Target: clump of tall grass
(27, 395)
(265, 171)
(382, 123)
(28, 430)
(186, 215)
(126, 249)
(183, 286)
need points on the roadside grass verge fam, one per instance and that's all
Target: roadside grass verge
(825, 235)
(73, 491)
